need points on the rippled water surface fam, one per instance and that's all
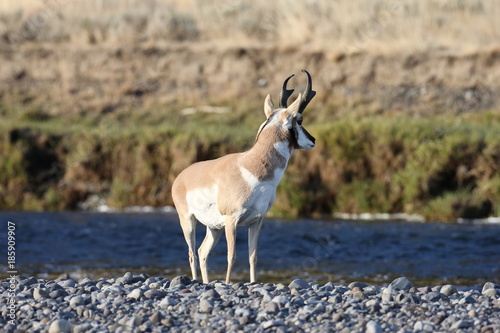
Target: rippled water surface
(103, 245)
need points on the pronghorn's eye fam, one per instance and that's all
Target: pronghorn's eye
(299, 121)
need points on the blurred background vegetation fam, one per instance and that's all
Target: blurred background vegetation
(111, 99)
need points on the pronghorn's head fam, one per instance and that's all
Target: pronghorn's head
(285, 122)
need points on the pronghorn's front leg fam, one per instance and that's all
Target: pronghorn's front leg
(206, 247)
(231, 245)
(253, 237)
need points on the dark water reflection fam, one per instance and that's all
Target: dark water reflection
(100, 245)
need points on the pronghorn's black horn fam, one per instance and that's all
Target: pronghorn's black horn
(308, 93)
(285, 93)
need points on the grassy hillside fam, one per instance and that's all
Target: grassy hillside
(114, 98)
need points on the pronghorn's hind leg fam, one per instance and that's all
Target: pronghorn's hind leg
(188, 224)
(211, 238)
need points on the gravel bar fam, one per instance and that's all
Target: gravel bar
(139, 303)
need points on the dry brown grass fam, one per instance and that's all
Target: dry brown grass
(344, 25)
(81, 57)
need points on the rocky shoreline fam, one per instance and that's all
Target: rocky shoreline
(138, 303)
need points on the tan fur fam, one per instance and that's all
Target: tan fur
(262, 160)
(221, 171)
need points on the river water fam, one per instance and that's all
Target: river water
(109, 244)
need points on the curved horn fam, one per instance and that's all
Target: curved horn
(285, 93)
(308, 93)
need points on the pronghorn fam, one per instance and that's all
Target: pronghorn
(238, 189)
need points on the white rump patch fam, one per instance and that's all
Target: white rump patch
(203, 205)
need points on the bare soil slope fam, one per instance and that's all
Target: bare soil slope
(66, 81)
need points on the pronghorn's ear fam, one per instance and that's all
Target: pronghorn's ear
(268, 106)
(294, 108)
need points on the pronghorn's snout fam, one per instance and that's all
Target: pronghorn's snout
(305, 140)
(313, 140)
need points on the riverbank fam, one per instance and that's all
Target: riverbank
(439, 167)
(138, 303)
